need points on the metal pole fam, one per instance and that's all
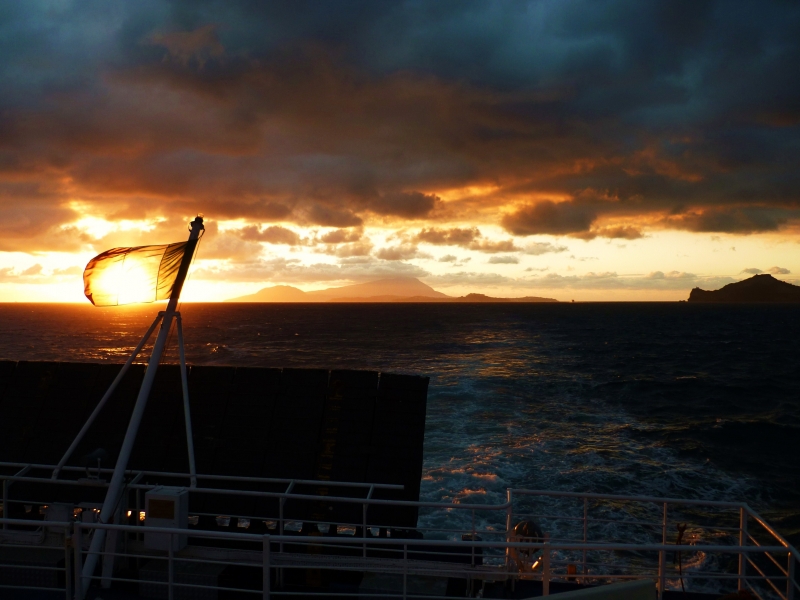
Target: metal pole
(186, 411)
(790, 583)
(364, 508)
(742, 544)
(5, 502)
(265, 566)
(662, 556)
(105, 398)
(137, 520)
(364, 527)
(546, 569)
(509, 520)
(405, 570)
(117, 479)
(473, 537)
(281, 503)
(77, 544)
(170, 569)
(67, 562)
(280, 521)
(585, 532)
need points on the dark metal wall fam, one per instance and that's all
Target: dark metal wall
(355, 426)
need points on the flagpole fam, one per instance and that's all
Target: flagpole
(117, 479)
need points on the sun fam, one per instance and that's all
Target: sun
(131, 279)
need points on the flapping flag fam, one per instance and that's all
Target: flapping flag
(128, 275)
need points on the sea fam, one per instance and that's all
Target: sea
(658, 399)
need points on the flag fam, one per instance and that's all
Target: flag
(128, 275)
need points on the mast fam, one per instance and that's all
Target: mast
(118, 478)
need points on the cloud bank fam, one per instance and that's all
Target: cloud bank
(564, 118)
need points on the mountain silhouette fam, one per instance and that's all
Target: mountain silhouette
(397, 289)
(759, 288)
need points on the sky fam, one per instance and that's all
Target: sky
(587, 150)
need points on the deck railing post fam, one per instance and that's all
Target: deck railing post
(5, 502)
(170, 569)
(280, 532)
(77, 566)
(364, 527)
(473, 537)
(405, 570)
(546, 569)
(662, 555)
(138, 518)
(509, 526)
(265, 566)
(67, 561)
(585, 532)
(742, 544)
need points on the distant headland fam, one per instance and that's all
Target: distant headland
(759, 288)
(398, 289)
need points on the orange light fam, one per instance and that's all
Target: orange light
(132, 280)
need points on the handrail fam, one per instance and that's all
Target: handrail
(354, 484)
(765, 578)
(775, 562)
(344, 484)
(279, 495)
(720, 503)
(770, 530)
(357, 541)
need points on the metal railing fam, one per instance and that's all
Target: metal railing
(589, 539)
(735, 527)
(306, 556)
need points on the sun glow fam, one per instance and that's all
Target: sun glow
(98, 227)
(132, 280)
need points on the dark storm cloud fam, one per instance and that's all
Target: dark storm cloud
(736, 220)
(409, 205)
(622, 232)
(329, 217)
(686, 114)
(550, 217)
(470, 238)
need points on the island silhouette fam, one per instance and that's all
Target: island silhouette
(396, 289)
(759, 288)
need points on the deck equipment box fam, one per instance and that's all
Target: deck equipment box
(166, 507)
